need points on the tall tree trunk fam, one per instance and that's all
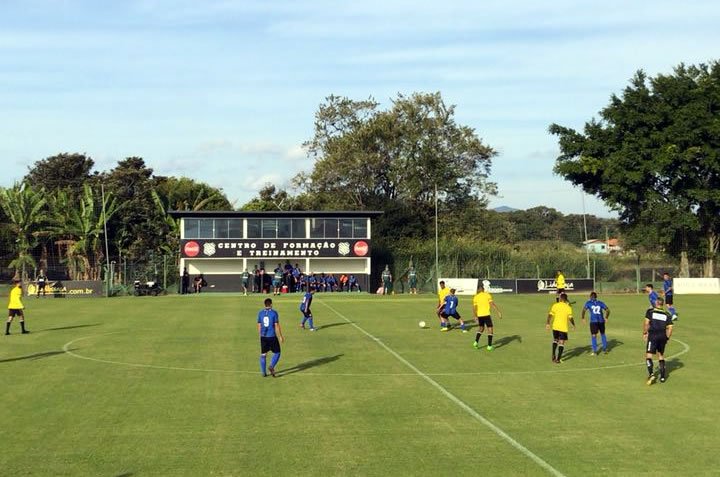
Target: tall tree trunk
(712, 243)
(684, 265)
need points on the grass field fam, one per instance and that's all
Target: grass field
(170, 386)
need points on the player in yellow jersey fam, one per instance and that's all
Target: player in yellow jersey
(482, 302)
(443, 291)
(559, 317)
(15, 307)
(559, 284)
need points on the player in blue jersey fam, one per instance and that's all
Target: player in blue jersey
(450, 310)
(599, 314)
(668, 292)
(305, 309)
(268, 324)
(652, 294)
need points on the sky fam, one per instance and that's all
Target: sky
(225, 92)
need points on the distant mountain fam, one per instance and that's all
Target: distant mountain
(504, 208)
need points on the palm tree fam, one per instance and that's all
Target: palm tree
(25, 209)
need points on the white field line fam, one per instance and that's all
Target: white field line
(504, 435)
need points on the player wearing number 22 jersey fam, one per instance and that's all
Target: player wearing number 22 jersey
(268, 324)
(599, 314)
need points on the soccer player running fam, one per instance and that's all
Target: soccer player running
(652, 294)
(657, 330)
(16, 307)
(599, 314)
(442, 293)
(482, 304)
(305, 309)
(559, 317)
(268, 324)
(668, 293)
(450, 310)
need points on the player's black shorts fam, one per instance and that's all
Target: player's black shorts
(560, 335)
(596, 327)
(269, 344)
(306, 314)
(656, 344)
(455, 315)
(669, 299)
(485, 321)
(41, 285)
(15, 312)
(560, 290)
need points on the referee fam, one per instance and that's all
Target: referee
(268, 324)
(657, 330)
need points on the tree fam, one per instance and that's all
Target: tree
(62, 171)
(654, 156)
(26, 215)
(186, 194)
(365, 156)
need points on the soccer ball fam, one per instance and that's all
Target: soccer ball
(421, 324)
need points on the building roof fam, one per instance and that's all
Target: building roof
(177, 214)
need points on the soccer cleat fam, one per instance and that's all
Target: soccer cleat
(489, 348)
(25, 332)
(650, 380)
(558, 361)
(662, 379)
(605, 351)
(475, 344)
(312, 329)
(272, 371)
(444, 329)
(464, 331)
(593, 353)
(674, 317)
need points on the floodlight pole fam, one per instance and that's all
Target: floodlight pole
(437, 252)
(107, 248)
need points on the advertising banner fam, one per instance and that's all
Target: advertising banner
(280, 248)
(548, 285)
(70, 288)
(499, 285)
(696, 286)
(462, 286)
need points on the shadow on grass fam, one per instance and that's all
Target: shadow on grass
(575, 352)
(46, 354)
(673, 364)
(72, 327)
(298, 368)
(506, 340)
(330, 325)
(126, 474)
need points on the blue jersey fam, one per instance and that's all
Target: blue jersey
(451, 303)
(306, 302)
(267, 317)
(596, 308)
(652, 296)
(667, 287)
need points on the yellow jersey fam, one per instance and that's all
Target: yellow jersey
(442, 293)
(560, 281)
(561, 314)
(481, 303)
(15, 302)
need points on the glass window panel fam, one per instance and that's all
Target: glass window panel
(191, 228)
(360, 228)
(331, 228)
(221, 228)
(253, 228)
(346, 228)
(206, 228)
(269, 228)
(235, 228)
(298, 228)
(284, 228)
(317, 228)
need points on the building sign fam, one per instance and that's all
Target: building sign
(261, 248)
(548, 285)
(68, 288)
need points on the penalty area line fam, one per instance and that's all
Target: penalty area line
(464, 406)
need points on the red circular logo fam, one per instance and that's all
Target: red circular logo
(361, 248)
(192, 249)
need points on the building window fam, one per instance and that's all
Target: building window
(191, 227)
(206, 228)
(235, 228)
(253, 228)
(298, 228)
(360, 228)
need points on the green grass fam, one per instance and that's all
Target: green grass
(171, 387)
